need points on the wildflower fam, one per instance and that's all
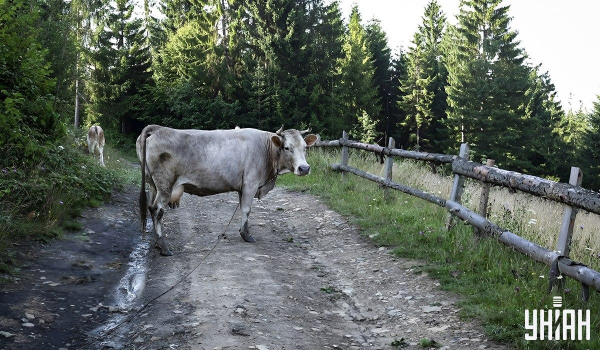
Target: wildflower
(60, 202)
(61, 148)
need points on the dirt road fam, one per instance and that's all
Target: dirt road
(310, 282)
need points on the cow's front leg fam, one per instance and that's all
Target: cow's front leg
(246, 205)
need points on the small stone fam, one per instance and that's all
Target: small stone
(298, 328)
(29, 316)
(177, 311)
(28, 324)
(139, 339)
(191, 324)
(155, 338)
(428, 309)
(6, 334)
(86, 315)
(262, 347)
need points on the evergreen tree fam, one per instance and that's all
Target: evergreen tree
(399, 73)
(55, 34)
(417, 98)
(357, 94)
(424, 95)
(432, 29)
(592, 148)
(544, 114)
(487, 84)
(325, 46)
(132, 69)
(381, 54)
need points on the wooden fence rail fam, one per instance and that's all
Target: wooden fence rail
(572, 195)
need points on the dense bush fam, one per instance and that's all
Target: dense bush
(27, 119)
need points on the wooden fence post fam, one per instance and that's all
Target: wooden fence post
(485, 196)
(569, 213)
(457, 185)
(563, 246)
(389, 164)
(344, 153)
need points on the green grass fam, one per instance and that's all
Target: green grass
(40, 201)
(496, 283)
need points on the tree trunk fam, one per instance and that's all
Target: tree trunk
(77, 121)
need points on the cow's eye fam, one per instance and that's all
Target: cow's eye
(286, 148)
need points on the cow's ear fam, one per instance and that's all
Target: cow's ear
(310, 140)
(277, 141)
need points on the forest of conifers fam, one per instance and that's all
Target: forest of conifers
(220, 63)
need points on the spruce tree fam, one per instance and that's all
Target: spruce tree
(592, 148)
(544, 115)
(487, 84)
(417, 99)
(381, 54)
(424, 96)
(357, 94)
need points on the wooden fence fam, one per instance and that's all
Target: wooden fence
(572, 195)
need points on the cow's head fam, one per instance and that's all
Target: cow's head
(292, 155)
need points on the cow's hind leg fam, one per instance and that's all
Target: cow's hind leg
(152, 200)
(246, 206)
(159, 204)
(101, 150)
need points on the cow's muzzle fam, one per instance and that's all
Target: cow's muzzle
(303, 170)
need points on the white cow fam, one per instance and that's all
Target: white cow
(204, 163)
(95, 139)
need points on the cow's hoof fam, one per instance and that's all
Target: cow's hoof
(166, 252)
(248, 237)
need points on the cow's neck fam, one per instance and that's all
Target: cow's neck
(272, 160)
(272, 166)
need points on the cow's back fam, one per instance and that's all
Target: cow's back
(207, 161)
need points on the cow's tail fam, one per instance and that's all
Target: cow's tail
(143, 197)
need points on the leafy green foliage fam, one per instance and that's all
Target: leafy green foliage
(27, 119)
(37, 200)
